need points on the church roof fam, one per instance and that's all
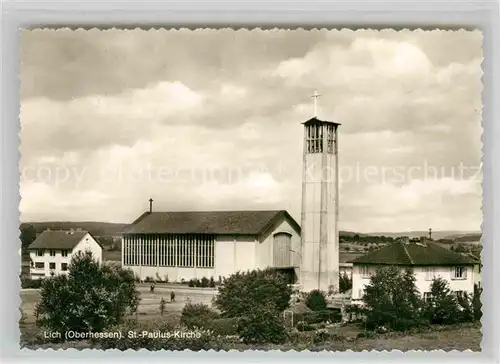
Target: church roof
(208, 222)
(57, 240)
(410, 254)
(315, 120)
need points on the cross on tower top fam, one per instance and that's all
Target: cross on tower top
(315, 97)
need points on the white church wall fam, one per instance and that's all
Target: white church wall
(234, 253)
(265, 247)
(225, 257)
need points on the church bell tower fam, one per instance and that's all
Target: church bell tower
(319, 268)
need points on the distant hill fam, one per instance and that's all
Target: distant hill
(350, 233)
(465, 238)
(435, 234)
(114, 229)
(94, 227)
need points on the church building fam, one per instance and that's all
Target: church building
(185, 245)
(196, 244)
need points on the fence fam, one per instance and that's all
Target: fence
(315, 317)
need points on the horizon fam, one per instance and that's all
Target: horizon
(341, 230)
(223, 131)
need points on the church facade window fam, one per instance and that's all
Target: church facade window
(187, 251)
(282, 250)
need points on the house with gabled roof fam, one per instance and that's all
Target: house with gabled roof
(183, 245)
(428, 261)
(51, 252)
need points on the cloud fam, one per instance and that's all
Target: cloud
(212, 120)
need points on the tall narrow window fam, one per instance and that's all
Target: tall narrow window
(282, 248)
(314, 136)
(330, 139)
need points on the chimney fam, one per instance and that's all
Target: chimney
(150, 205)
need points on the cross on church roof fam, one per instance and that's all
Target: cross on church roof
(315, 96)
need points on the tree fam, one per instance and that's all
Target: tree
(316, 300)
(470, 305)
(392, 300)
(345, 283)
(241, 292)
(442, 307)
(28, 235)
(92, 297)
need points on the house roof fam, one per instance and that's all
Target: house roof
(57, 239)
(348, 257)
(208, 222)
(315, 120)
(399, 253)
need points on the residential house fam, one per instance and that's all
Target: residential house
(51, 252)
(428, 261)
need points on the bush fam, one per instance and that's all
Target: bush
(392, 300)
(197, 315)
(262, 324)
(323, 316)
(242, 292)
(304, 326)
(316, 317)
(316, 300)
(323, 335)
(212, 282)
(31, 283)
(442, 308)
(204, 282)
(223, 326)
(160, 337)
(149, 280)
(92, 297)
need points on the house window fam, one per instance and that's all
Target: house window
(427, 296)
(460, 273)
(39, 253)
(64, 267)
(52, 253)
(52, 265)
(39, 265)
(365, 271)
(459, 294)
(64, 253)
(430, 273)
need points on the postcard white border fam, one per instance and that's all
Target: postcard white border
(245, 14)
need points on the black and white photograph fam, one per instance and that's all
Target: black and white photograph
(251, 189)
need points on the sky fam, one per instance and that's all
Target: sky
(211, 120)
